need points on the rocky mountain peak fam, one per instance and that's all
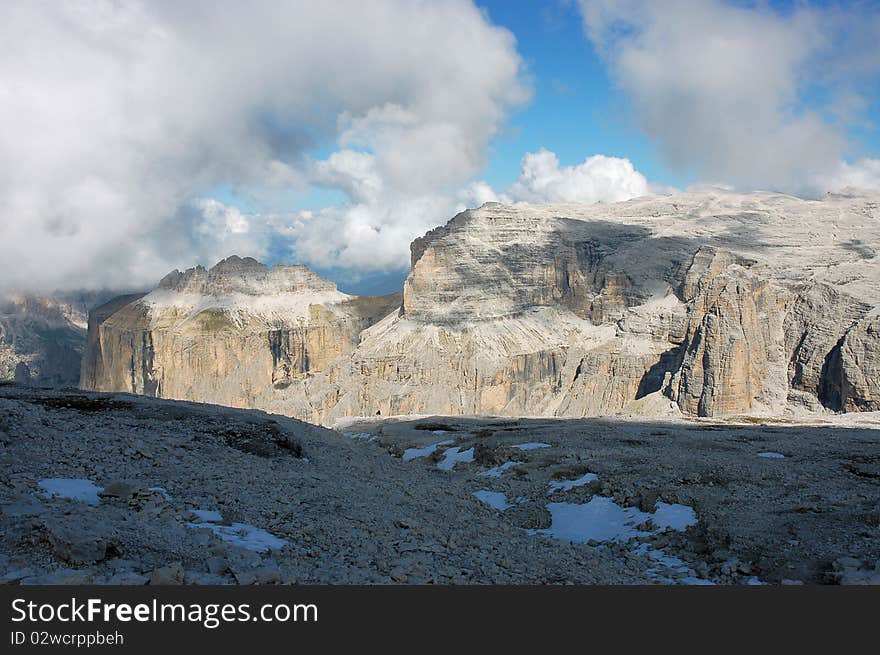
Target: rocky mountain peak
(707, 303)
(245, 275)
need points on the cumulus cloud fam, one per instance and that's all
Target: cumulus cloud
(118, 115)
(862, 174)
(373, 229)
(597, 179)
(721, 86)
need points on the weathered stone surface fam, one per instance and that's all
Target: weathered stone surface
(42, 338)
(707, 303)
(239, 334)
(852, 375)
(733, 353)
(76, 543)
(814, 324)
(171, 574)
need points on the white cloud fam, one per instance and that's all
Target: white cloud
(862, 174)
(372, 231)
(117, 114)
(597, 179)
(720, 86)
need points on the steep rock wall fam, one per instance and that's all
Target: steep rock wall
(706, 303)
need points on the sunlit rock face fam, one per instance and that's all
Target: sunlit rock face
(238, 334)
(709, 303)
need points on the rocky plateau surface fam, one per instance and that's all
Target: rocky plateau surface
(123, 489)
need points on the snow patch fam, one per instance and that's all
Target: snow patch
(565, 485)
(498, 471)
(601, 519)
(72, 488)
(455, 455)
(771, 455)
(244, 536)
(672, 516)
(162, 490)
(425, 451)
(494, 499)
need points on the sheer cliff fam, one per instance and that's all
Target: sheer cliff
(239, 334)
(710, 303)
(43, 337)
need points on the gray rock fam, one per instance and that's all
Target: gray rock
(708, 303)
(15, 576)
(74, 540)
(847, 563)
(216, 565)
(62, 577)
(128, 578)
(120, 489)
(854, 577)
(170, 574)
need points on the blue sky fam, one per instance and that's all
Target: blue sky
(575, 111)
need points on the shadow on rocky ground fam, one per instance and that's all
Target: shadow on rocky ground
(103, 488)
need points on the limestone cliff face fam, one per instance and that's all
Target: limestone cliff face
(236, 334)
(733, 351)
(708, 303)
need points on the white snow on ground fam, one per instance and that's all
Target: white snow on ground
(667, 561)
(207, 515)
(600, 519)
(73, 488)
(498, 471)
(244, 536)
(163, 491)
(425, 451)
(667, 564)
(494, 499)
(361, 436)
(673, 516)
(455, 455)
(532, 445)
(238, 534)
(279, 307)
(439, 432)
(771, 455)
(556, 485)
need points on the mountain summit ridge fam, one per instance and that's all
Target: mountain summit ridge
(706, 303)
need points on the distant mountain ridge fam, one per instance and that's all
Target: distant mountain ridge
(708, 303)
(43, 337)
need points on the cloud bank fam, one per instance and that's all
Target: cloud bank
(373, 230)
(124, 121)
(119, 115)
(721, 87)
